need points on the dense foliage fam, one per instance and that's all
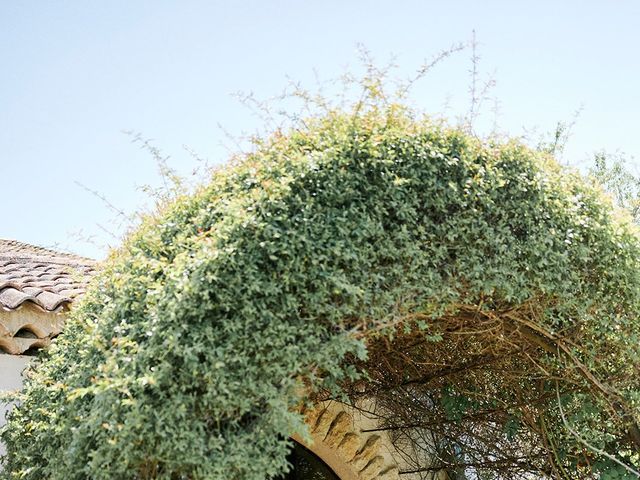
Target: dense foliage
(456, 276)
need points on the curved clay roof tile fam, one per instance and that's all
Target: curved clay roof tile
(44, 277)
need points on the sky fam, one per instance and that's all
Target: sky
(74, 75)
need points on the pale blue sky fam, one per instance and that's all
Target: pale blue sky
(74, 74)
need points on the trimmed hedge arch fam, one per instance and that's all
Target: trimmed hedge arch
(328, 244)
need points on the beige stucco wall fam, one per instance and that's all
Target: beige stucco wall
(26, 328)
(11, 367)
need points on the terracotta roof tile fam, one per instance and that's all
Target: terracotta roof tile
(46, 278)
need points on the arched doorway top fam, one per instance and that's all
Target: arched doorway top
(341, 442)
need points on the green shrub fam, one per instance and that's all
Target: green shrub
(188, 356)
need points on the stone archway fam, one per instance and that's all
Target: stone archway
(341, 441)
